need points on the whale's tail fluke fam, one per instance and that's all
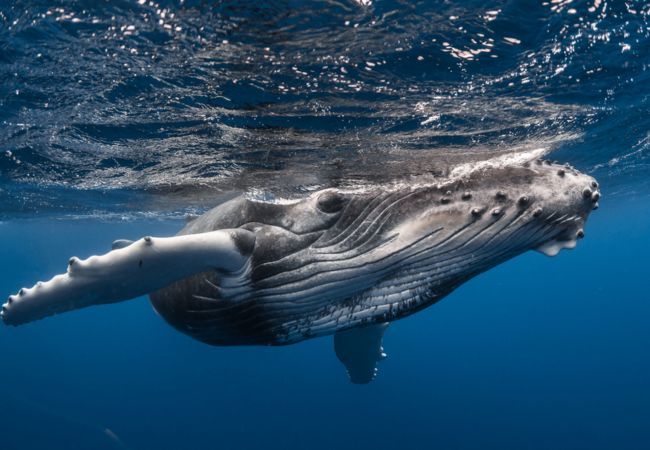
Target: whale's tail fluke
(129, 271)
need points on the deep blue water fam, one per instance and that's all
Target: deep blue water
(118, 118)
(539, 353)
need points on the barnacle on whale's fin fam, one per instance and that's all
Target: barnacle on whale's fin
(142, 267)
(360, 349)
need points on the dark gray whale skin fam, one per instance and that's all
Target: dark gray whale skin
(345, 259)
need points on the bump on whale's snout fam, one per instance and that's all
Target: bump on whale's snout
(572, 197)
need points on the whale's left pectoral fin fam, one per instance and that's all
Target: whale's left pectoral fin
(360, 349)
(130, 270)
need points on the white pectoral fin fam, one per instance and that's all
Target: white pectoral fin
(130, 271)
(360, 349)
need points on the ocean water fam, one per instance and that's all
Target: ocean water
(118, 119)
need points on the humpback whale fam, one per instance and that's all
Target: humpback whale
(337, 262)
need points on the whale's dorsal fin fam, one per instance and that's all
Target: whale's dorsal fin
(360, 349)
(120, 243)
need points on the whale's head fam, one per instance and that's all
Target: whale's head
(537, 205)
(564, 205)
(490, 209)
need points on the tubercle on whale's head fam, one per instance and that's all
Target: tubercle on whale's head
(554, 200)
(496, 211)
(569, 197)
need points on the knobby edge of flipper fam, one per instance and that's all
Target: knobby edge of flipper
(127, 272)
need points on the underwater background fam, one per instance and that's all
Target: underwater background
(120, 118)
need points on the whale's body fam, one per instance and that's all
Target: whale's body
(337, 262)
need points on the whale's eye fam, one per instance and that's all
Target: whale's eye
(331, 202)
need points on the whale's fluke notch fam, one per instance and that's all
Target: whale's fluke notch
(360, 349)
(128, 272)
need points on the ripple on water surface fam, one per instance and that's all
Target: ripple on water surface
(153, 106)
